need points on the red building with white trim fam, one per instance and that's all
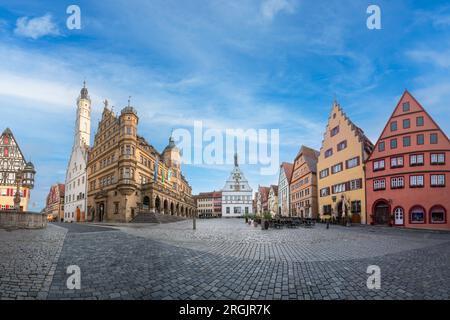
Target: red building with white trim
(408, 172)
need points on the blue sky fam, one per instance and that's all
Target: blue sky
(259, 64)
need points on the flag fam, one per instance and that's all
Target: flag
(169, 175)
(155, 177)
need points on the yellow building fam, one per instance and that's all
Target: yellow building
(128, 176)
(340, 168)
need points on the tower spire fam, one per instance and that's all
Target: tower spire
(335, 102)
(84, 94)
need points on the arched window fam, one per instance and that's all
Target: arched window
(438, 214)
(417, 214)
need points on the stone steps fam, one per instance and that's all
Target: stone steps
(148, 217)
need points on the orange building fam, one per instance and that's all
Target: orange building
(303, 184)
(407, 174)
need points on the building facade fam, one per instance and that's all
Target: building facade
(255, 203)
(262, 200)
(303, 185)
(408, 172)
(236, 194)
(75, 203)
(341, 180)
(209, 204)
(54, 205)
(284, 179)
(127, 175)
(217, 199)
(272, 201)
(12, 161)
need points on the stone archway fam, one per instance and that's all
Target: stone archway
(166, 206)
(182, 211)
(158, 204)
(172, 209)
(177, 209)
(146, 203)
(381, 212)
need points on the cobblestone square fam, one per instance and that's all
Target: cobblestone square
(223, 259)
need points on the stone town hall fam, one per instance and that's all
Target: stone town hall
(126, 175)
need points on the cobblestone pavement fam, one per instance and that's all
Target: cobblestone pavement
(233, 237)
(226, 259)
(28, 261)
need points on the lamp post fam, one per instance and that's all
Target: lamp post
(24, 178)
(194, 222)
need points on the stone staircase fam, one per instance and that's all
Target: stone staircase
(148, 217)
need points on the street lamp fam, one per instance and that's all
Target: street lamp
(194, 222)
(24, 178)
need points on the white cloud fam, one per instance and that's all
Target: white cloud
(36, 27)
(441, 59)
(434, 96)
(270, 8)
(37, 90)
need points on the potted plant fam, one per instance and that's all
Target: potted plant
(348, 221)
(391, 220)
(246, 215)
(256, 221)
(266, 218)
(250, 219)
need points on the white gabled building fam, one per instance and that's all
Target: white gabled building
(76, 176)
(237, 194)
(284, 181)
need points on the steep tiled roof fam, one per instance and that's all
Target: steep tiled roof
(264, 191)
(310, 155)
(368, 145)
(275, 189)
(61, 189)
(288, 168)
